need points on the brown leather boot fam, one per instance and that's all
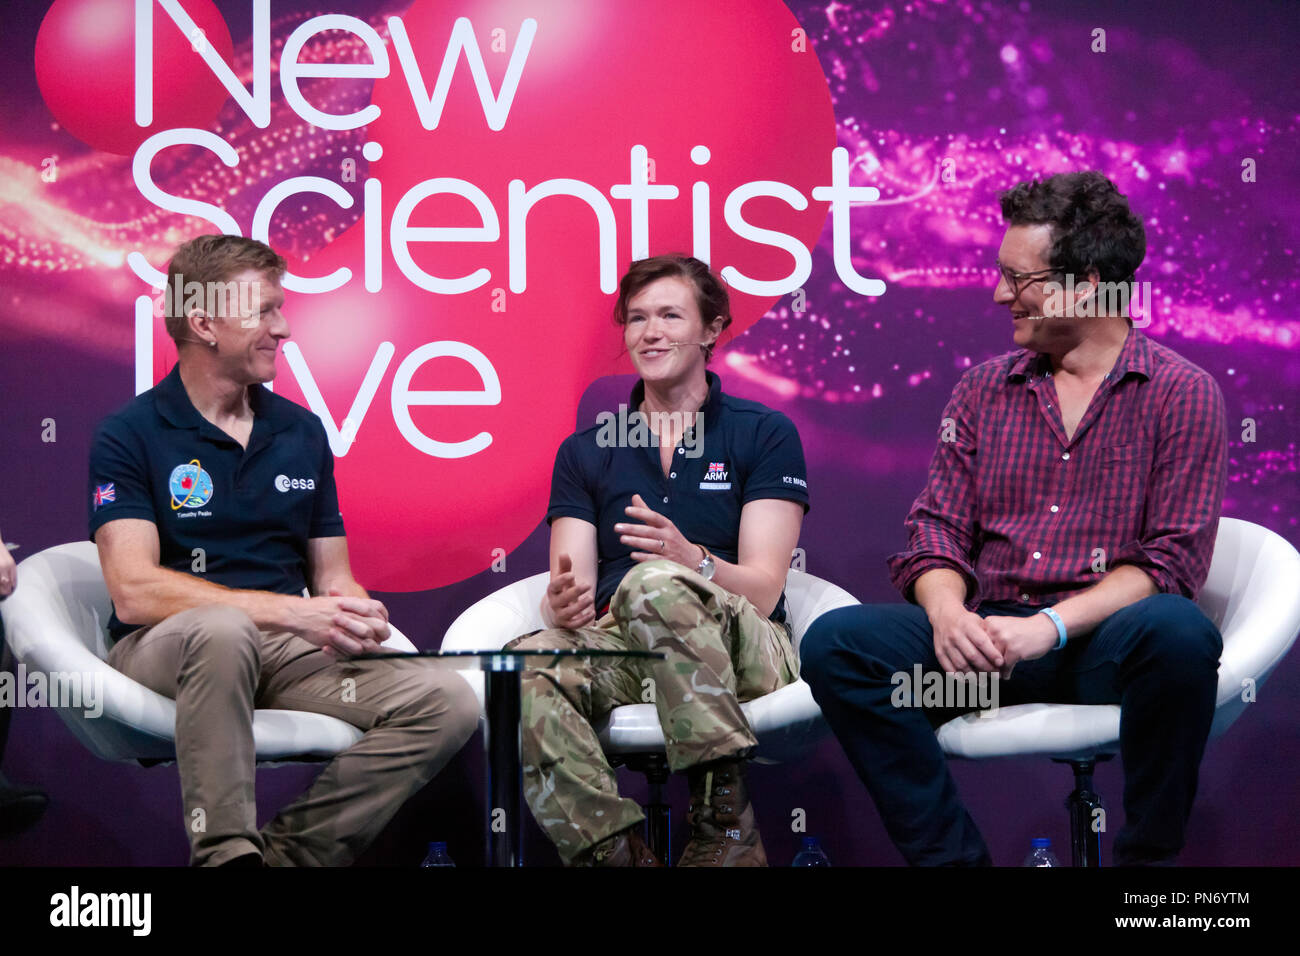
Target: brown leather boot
(723, 832)
(625, 848)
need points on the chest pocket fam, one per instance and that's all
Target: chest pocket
(1119, 481)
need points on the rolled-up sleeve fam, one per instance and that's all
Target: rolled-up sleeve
(1185, 490)
(940, 526)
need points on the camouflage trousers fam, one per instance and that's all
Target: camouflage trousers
(719, 650)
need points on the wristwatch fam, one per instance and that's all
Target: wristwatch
(706, 567)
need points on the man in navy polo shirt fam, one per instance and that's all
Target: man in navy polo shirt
(213, 504)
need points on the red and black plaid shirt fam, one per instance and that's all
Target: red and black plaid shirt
(1025, 515)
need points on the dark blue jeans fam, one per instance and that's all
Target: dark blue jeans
(1158, 659)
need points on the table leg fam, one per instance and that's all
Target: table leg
(505, 768)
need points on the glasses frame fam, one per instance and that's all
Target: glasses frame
(1020, 281)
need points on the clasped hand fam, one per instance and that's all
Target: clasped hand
(341, 626)
(964, 641)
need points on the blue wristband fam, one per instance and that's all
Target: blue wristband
(1060, 626)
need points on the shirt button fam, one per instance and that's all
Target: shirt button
(665, 499)
(1024, 597)
(672, 474)
(1037, 555)
(681, 451)
(1055, 508)
(1065, 456)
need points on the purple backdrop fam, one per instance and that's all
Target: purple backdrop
(942, 105)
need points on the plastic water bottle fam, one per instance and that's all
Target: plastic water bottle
(437, 856)
(811, 854)
(1041, 854)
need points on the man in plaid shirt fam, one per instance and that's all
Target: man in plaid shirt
(1065, 529)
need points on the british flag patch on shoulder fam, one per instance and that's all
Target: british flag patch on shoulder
(104, 494)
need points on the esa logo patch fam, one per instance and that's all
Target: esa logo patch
(285, 483)
(190, 486)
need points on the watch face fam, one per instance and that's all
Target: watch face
(706, 568)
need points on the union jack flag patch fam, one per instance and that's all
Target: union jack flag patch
(104, 494)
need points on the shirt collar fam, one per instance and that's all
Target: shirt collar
(174, 404)
(1028, 364)
(1134, 357)
(712, 406)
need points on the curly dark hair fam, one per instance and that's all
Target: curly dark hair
(710, 292)
(1092, 225)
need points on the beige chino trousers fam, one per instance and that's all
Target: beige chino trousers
(218, 666)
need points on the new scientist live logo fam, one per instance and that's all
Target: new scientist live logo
(517, 154)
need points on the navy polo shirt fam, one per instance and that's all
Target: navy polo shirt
(251, 511)
(748, 452)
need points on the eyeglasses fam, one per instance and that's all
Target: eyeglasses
(1018, 282)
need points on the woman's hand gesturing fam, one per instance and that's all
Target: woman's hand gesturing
(656, 537)
(570, 604)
